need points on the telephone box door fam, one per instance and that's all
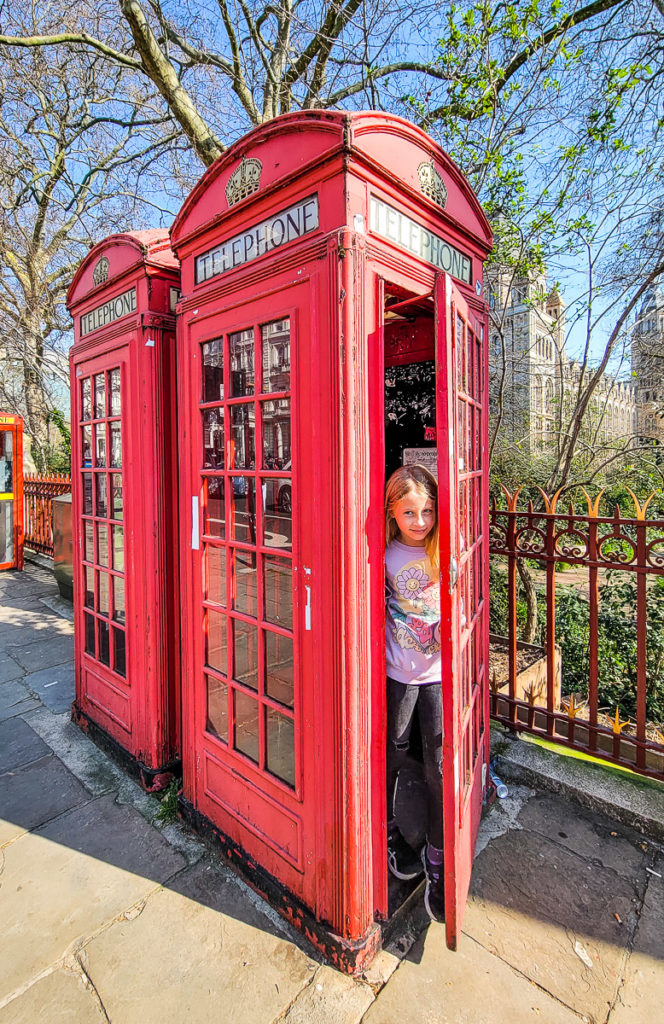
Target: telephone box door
(463, 511)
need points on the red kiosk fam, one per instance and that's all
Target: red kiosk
(11, 491)
(124, 487)
(332, 326)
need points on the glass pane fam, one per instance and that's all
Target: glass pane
(6, 531)
(119, 657)
(243, 509)
(279, 668)
(104, 654)
(117, 535)
(88, 552)
(119, 599)
(215, 512)
(213, 371)
(276, 356)
(278, 583)
(87, 494)
(246, 724)
(116, 444)
(277, 516)
(102, 583)
(216, 575)
(86, 404)
(116, 496)
(276, 434)
(101, 505)
(89, 584)
(114, 384)
(215, 642)
(213, 438)
(100, 396)
(280, 746)
(89, 634)
(217, 695)
(86, 446)
(244, 582)
(245, 653)
(102, 544)
(243, 434)
(100, 444)
(242, 363)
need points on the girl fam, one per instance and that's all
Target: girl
(413, 665)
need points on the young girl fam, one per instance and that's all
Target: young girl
(413, 665)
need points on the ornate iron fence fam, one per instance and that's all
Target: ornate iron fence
(38, 494)
(592, 676)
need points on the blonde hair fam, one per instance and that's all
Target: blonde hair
(403, 480)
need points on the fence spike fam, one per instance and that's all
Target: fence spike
(593, 506)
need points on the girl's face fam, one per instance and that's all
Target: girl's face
(415, 516)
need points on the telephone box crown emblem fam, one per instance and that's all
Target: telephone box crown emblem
(244, 180)
(100, 273)
(432, 183)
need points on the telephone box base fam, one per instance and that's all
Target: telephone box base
(351, 956)
(152, 780)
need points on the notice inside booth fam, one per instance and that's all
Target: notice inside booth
(11, 492)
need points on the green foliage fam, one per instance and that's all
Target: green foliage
(55, 458)
(168, 812)
(499, 607)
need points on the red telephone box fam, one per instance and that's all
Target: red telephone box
(11, 492)
(124, 493)
(330, 261)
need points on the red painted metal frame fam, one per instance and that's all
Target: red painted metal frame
(136, 716)
(14, 424)
(38, 492)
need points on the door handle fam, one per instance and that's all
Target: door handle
(195, 536)
(307, 606)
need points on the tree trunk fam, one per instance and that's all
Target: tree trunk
(531, 602)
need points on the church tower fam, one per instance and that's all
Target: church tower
(648, 364)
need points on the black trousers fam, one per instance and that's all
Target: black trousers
(403, 700)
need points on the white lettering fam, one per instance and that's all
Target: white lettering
(392, 224)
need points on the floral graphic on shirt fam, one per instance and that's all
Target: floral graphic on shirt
(411, 581)
(414, 609)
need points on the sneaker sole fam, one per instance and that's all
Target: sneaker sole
(401, 876)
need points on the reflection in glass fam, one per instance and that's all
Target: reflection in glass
(215, 641)
(279, 668)
(101, 505)
(276, 356)
(118, 547)
(103, 652)
(116, 444)
(119, 657)
(215, 512)
(213, 438)
(102, 545)
(87, 494)
(86, 403)
(243, 432)
(88, 553)
(278, 583)
(89, 586)
(114, 383)
(116, 496)
(245, 653)
(217, 703)
(6, 464)
(242, 363)
(216, 575)
(119, 599)
(277, 515)
(100, 444)
(246, 724)
(280, 746)
(89, 634)
(243, 509)
(213, 371)
(6, 531)
(102, 583)
(100, 396)
(86, 446)
(276, 434)
(244, 581)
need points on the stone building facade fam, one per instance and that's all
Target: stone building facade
(648, 365)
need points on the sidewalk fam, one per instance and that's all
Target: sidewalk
(107, 916)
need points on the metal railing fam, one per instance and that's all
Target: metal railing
(592, 674)
(38, 494)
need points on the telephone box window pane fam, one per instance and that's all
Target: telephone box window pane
(102, 545)
(89, 586)
(101, 506)
(100, 444)
(88, 553)
(243, 432)
(276, 434)
(279, 668)
(277, 515)
(242, 363)
(118, 547)
(116, 445)
(119, 599)
(215, 512)
(245, 653)
(243, 509)
(215, 642)
(216, 575)
(104, 652)
(213, 371)
(114, 384)
(276, 356)
(86, 446)
(119, 657)
(87, 494)
(246, 724)
(100, 396)
(116, 496)
(86, 403)
(278, 583)
(280, 746)
(213, 438)
(89, 634)
(217, 703)
(245, 582)
(102, 607)
(6, 463)
(6, 531)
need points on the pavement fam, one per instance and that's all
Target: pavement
(108, 914)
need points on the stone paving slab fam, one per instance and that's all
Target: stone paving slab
(56, 686)
(34, 794)
(62, 997)
(19, 744)
(330, 998)
(15, 700)
(641, 996)
(17, 632)
(9, 668)
(41, 654)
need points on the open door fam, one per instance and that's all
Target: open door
(461, 416)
